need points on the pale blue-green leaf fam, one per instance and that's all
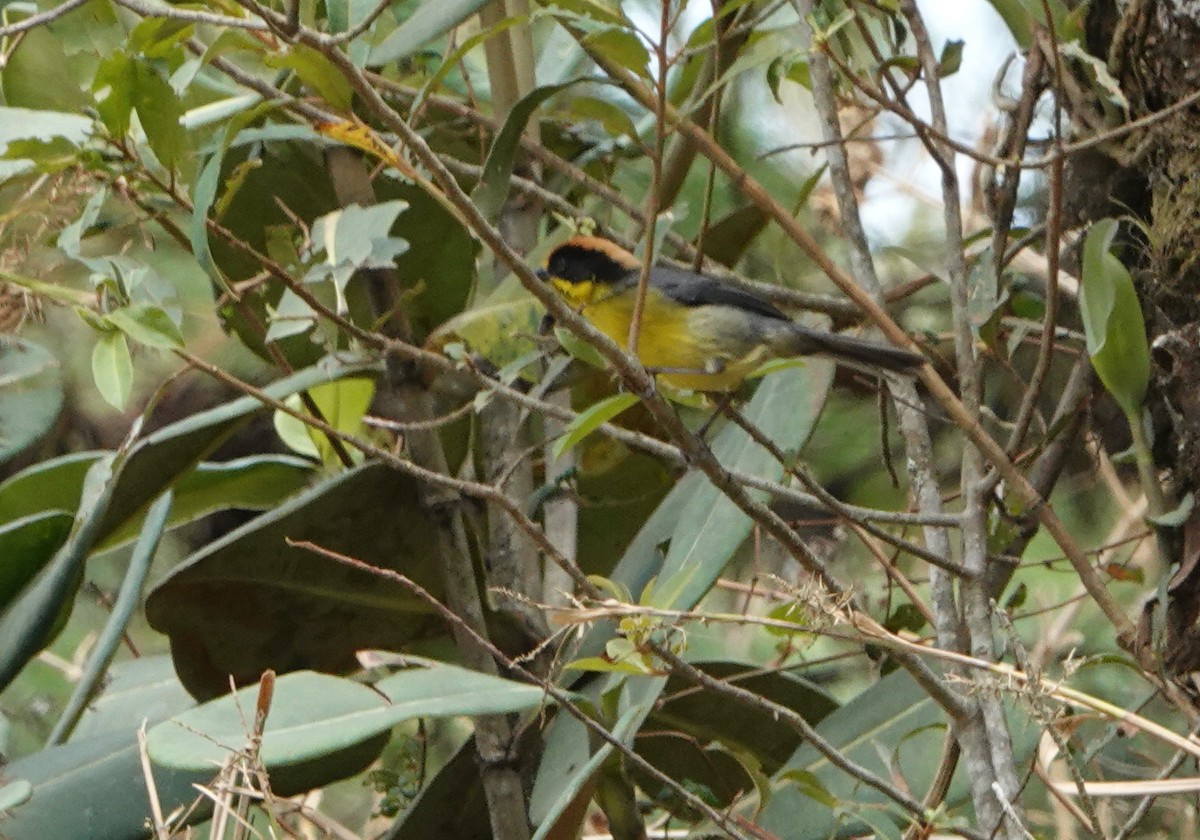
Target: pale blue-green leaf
(567, 761)
(430, 21)
(101, 778)
(71, 238)
(15, 793)
(218, 111)
(135, 690)
(360, 237)
(893, 724)
(31, 394)
(711, 527)
(29, 124)
(292, 316)
(109, 639)
(315, 714)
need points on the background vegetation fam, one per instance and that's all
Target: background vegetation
(281, 411)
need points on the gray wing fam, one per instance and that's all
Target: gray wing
(692, 289)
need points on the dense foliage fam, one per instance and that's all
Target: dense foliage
(317, 501)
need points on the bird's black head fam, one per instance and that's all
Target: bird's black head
(588, 258)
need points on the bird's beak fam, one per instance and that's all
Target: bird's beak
(542, 274)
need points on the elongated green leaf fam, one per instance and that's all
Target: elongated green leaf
(492, 191)
(26, 546)
(31, 394)
(711, 527)
(591, 419)
(28, 623)
(431, 20)
(49, 486)
(128, 599)
(162, 457)
(313, 715)
(136, 690)
(567, 769)
(259, 482)
(1112, 320)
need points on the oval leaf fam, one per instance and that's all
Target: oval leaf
(1112, 320)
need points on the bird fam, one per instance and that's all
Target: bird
(696, 333)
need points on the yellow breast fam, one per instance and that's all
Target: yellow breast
(672, 338)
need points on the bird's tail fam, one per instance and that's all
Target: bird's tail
(857, 351)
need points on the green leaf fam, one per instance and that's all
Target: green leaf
(342, 404)
(1172, 518)
(451, 803)
(710, 527)
(493, 187)
(52, 485)
(588, 421)
(567, 768)
(258, 482)
(14, 794)
(102, 779)
(109, 639)
(147, 324)
(501, 327)
(951, 59)
(1112, 321)
(430, 21)
(164, 456)
(297, 609)
(455, 59)
(317, 72)
(38, 72)
(27, 124)
(612, 117)
(204, 192)
(134, 691)
(159, 111)
(356, 237)
(710, 717)
(29, 622)
(622, 46)
(114, 83)
(31, 394)
(893, 724)
(26, 545)
(313, 715)
(112, 369)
